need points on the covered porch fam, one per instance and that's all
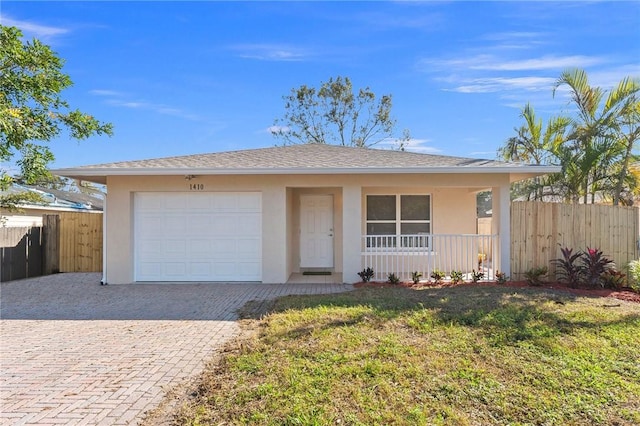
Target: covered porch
(426, 227)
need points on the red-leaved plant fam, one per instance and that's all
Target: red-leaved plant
(594, 264)
(568, 271)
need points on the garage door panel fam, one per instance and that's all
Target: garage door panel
(175, 269)
(225, 224)
(202, 269)
(227, 202)
(149, 224)
(248, 203)
(176, 201)
(225, 269)
(149, 201)
(223, 247)
(150, 247)
(200, 201)
(198, 236)
(250, 248)
(175, 225)
(200, 249)
(249, 269)
(199, 223)
(174, 247)
(251, 224)
(151, 270)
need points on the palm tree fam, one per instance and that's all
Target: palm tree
(532, 145)
(600, 142)
(627, 130)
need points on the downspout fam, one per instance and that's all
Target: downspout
(104, 242)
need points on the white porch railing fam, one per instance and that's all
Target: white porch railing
(404, 254)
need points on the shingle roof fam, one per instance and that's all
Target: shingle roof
(57, 199)
(306, 156)
(303, 159)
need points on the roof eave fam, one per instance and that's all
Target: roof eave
(161, 171)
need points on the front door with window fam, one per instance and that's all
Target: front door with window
(316, 231)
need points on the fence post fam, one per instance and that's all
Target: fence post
(51, 240)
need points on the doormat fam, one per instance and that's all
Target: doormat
(316, 273)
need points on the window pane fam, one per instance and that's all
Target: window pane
(381, 228)
(414, 228)
(381, 207)
(414, 207)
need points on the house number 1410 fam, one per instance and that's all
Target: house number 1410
(196, 186)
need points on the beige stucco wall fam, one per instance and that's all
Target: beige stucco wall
(453, 204)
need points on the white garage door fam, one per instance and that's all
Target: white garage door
(204, 236)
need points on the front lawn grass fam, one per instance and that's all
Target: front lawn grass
(469, 355)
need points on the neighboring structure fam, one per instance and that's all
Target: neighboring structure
(263, 214)
(53, 201)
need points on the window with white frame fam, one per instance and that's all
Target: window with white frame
(391, 215)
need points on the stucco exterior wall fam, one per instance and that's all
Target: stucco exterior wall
(453, 208)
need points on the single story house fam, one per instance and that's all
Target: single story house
(52, 201)
(267, 214)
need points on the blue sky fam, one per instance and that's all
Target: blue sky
(178, 78)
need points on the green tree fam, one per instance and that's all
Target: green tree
(596, 146)
(32, 111)
(598, 151)
(533, 145)
(627, 134)
(334, 114)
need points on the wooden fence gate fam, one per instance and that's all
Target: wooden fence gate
(21, 253)
(74, 242)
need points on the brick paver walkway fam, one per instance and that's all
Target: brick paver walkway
(74, 352)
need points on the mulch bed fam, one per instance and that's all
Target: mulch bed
(621, 294)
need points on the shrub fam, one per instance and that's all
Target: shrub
(415, 276)
(456, 277)
(634, 275)
(568, 270)
(613, 279)
(594, 265)
(476, 276)
(536, 276)
(437, 275)
(393, 278)
(366, 275)
(501, 277)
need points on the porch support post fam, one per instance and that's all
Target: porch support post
(274, 234)
(501, 225)
(351, 232)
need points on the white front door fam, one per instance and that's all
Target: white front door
(316, 231)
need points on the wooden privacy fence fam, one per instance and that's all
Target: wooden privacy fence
(77, 237)
(20, 252)
(538, 230)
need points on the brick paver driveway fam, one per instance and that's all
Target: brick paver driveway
(75, 352)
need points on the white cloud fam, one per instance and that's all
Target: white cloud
(270, 52)
(500, 84)
(494, 63)
(114, 99)
(34, 29)
(484, 154)
(412, 145)
(609, 78)
(106, 93)
(542, 63)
